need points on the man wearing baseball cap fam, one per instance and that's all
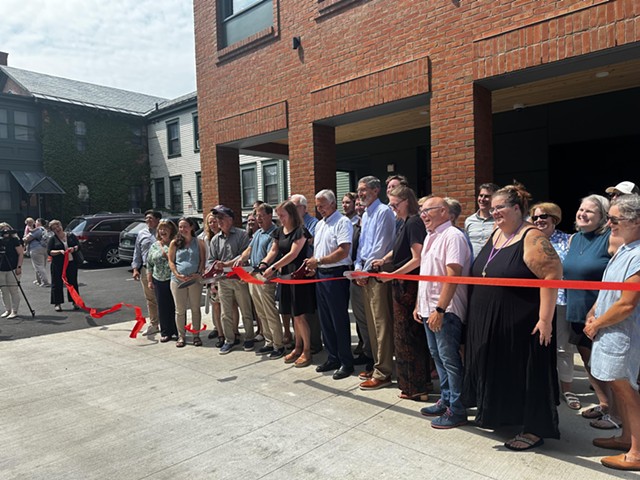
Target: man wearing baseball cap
(225, 248)
(623, 188)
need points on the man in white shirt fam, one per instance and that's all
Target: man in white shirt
(332, 257)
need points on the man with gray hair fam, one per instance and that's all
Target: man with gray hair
(332, 248)
(376, 240)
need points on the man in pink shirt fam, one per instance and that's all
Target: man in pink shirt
(442, 307)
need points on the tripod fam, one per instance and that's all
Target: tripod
(5, 261)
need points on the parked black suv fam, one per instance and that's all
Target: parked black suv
(129, 235)
(99, 234)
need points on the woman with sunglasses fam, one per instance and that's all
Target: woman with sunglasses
(590, 250)
(410, 342)
(159, 279)
(614, 326)
(546, 216)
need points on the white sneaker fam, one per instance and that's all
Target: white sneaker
(5, 314)
(151, 329)
(12, 315)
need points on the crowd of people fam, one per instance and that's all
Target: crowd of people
(505, 351)
(42, 242)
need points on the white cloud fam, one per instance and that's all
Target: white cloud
(145, 46)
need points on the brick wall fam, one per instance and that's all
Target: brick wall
(356, 54)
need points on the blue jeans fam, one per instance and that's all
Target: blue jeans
(445, 350)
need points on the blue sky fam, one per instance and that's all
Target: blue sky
(140, 45)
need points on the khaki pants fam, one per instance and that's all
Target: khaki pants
(150, 296)
(10, 291)
(230, 289)
(377, 307)
(264, 299)
(183, 298)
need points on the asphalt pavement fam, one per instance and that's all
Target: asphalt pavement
(81, 400)
(100, 287)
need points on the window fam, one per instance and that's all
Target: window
(249, 182)
(242, 18)
(176, 194)
(199, 191)
(24, 126)
(196, 133)
(80, 128)
(173, 138)
(270, 184)
(4, 124)
(160, 198)
(5, 191)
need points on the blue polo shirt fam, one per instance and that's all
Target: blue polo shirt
(260, 245)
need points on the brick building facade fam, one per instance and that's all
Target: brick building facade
(367, 69)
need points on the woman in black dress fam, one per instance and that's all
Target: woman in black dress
(510, 368)
(60, 242)
(290, 248)
(409, 340)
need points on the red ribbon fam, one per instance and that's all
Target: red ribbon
(77, 299)
(497, 282)
(189, 328)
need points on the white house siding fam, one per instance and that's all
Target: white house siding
(186, 165)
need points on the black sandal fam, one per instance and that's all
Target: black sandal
(180, 343)
(197, 342)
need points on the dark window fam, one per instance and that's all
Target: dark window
(108, 226)
(135, 198)
(81, 144)
(24, 126)
(80, 128)
(5, 191)
(242, 18)
(270, 184)
(199, 191)
(4, 124)
(173, 138)
(249, 183)
(160, 198)
(176, 194)
(137, 136)
(196, 133)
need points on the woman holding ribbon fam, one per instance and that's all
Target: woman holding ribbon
(59, 243)
(510, 368)
(614, 326)
(410, 343)
(186, 261)
(159, 279)
(288, 253)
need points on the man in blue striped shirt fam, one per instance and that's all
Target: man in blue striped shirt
(376, 240)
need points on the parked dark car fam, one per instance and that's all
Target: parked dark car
(129, 235)
(99, 234)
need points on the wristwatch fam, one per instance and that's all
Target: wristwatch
(440, 310)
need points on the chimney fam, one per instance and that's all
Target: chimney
(3, 58)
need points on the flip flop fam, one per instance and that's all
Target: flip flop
(595, 412)
(605, 423)
(573, 402)
(526, 440)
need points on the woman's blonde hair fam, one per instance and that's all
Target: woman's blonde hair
(550, 208)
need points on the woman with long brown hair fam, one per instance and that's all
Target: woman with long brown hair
(288, 252)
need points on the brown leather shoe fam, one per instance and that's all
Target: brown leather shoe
(612, 443)
(620, 462)
(366, 375)
(374, 384)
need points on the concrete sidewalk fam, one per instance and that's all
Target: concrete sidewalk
(94, 403)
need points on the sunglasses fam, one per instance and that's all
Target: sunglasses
(614, 220)
(542, 216)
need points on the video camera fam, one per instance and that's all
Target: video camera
(9, 232)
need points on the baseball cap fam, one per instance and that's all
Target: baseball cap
(625, 188)
(222, 210)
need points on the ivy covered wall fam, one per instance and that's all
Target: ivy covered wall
(99, 158)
